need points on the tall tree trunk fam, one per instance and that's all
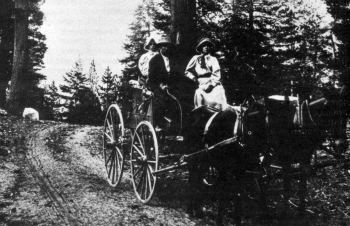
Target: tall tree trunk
(184, 35)
(14, 105)
(6, 47)
(251, 14)
(183, 25)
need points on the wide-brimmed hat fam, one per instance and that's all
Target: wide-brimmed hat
(149, 40)
(164, 40)
(202, 42)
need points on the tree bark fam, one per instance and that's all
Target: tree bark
(184, 32)
(184, 35)
(6, 47)
(14, 104)
(251, 14)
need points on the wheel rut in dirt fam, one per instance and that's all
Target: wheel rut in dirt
(67, 162)
(36, 152)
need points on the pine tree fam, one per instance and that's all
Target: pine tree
(264, 43)
(33, 94)
(135, 43)
(301, 42)
(87, 108)
(162, 16)
(93, 78)
(108, 89)
(81, 103)
(75, 80)
(341, 29)
(28, 54)
(52, 102)
(140, 29)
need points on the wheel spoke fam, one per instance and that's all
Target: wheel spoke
(144, 161)
(110, 138)
(111, 117)
(138, 150)
(117, 161)
(143, 140)
(139, 139)
(112, 164)
(140, 181)
(120, 157)
(144, 183)
(138, 171)
(149, 179)
(109, 159)
(109, 127)
(113, 175)
(150, 170)
(112, 145)
(143, 136)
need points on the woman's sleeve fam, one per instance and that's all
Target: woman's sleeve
(216, 71)
(141, 64)
(190, 69)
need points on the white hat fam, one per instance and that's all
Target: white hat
(202, 41)
(164, 40)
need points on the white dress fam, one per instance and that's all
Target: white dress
(208, 75)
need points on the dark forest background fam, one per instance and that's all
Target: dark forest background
(262, 46)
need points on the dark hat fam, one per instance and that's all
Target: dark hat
(148, 43)
(203, 41)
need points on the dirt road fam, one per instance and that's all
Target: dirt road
(53, 174)
(65, 184)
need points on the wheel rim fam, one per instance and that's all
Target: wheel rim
(144, 161)
(113, 134)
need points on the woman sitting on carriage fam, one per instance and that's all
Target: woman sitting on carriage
(204, 69)
(143, 63)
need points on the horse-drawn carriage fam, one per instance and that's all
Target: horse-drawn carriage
(252, 138)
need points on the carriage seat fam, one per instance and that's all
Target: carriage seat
(282, 98)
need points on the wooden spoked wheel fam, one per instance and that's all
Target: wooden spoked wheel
(144, 161)
(113, 135)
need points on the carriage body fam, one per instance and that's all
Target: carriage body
(131, 134)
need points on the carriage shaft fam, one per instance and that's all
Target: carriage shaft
(184, 159)
(166, 169)
(211, 148)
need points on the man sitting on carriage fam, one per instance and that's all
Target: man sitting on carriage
(161, 81)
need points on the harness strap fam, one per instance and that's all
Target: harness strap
(309, 112)
(206, 128)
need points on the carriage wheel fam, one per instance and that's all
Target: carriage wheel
(144, 161)
(113, 134)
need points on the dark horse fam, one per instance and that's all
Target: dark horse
(288, 128)
(297, 127)
(208, 127)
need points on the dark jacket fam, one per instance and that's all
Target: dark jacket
(158, 73)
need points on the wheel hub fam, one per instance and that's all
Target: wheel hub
(144, 158)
